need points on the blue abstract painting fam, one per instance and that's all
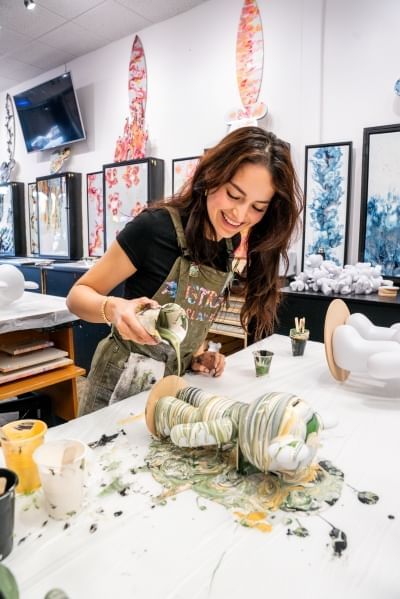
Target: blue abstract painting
(382, 218)
(7, 246)
(327, 189)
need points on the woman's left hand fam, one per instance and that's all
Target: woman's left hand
(209, 362)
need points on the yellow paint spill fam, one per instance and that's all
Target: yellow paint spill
(253, 520)
(131, 418)
(263, 526)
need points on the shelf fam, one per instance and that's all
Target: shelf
(59, 384)
(38, 381)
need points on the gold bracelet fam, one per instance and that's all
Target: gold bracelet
(103, 309)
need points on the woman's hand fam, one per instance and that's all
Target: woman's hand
(122, 313)
(209, 362)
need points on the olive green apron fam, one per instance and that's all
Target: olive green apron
(123, 368)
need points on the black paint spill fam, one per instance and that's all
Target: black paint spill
(104, 440)
(93, 528)
(331, 501)
(339, 541)
(331, 469)
(117, 514)
(367, 497)
(66, 525)
(390, 516)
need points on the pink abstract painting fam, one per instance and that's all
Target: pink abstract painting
(132, 143)
(182, 171)
(126, 189)
(95, 213)
(249, 63)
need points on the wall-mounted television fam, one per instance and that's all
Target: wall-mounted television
(49, 114)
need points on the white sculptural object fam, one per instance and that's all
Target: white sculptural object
(354, 344)
(12, 284)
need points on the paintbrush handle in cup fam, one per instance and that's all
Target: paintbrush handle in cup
(3, 484)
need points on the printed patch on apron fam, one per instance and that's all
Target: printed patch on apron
(139, 374)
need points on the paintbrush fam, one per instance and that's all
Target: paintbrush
(69, 454)
(3, 484)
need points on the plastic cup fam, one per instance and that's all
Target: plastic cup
(262, 361)
(62, 468)
(19, 439)
(7, 509)
(299, 341)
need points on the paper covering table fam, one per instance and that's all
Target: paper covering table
(121, 545)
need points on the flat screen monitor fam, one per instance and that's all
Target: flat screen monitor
(49, 114)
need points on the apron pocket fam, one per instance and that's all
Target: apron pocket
(139, 374)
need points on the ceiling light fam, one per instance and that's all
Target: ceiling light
(30, 4)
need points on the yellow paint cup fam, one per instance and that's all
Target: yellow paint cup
(19, 439)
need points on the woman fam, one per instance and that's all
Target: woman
(181, 251)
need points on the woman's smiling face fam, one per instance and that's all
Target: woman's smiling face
(241, 202)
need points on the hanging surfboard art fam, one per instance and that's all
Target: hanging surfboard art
(132, 143)
(249, 63)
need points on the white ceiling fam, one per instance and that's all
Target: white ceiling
(57, 31)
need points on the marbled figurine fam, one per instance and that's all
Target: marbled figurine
(278, 432)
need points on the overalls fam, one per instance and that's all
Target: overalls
(123, 368)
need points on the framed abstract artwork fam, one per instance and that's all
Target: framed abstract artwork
(128, 188)
(380, 200)
(60, 216)
(12, 219)
(327, 192)
(183, 170)
(95, 213)
(33, 248)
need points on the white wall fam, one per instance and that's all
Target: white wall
(361, 65)
(329, 71)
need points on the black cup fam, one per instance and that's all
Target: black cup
(7, 509)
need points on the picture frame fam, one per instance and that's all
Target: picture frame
(182, 171)
(327, 194)
(95, 213)
(33, 219)
(12, 219)
(129, 187)
(60, 216)
(379, 241)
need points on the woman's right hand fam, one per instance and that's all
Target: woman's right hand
(122, 313)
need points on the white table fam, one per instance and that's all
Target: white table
(178, 551)
(34, 310)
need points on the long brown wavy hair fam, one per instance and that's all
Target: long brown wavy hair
(269, 239)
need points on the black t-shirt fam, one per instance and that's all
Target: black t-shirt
(150, 242)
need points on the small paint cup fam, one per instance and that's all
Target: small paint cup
(19, 439)
(262, 361)
(62, 468)
(7, 510)
(298, 341)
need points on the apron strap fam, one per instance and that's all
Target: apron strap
(180, 234)
(229, 247)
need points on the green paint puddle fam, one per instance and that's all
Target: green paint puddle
(253, 500)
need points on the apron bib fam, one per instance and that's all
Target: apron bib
(123, 368)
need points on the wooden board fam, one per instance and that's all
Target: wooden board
(15, 349)
(12, 363)
(32, 370)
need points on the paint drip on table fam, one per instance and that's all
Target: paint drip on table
(257, 459)
(256, 500)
